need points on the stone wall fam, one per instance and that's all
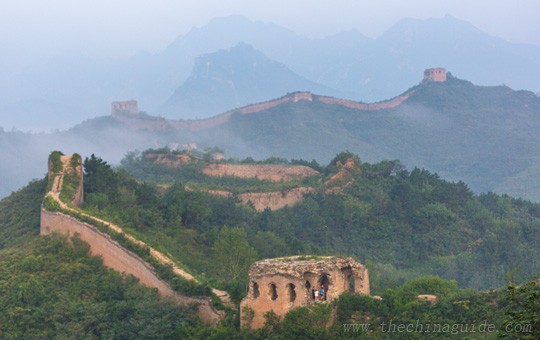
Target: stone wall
(388, 104)
(153, 124)
(279, 285)
(298, 96)
(275, 200)
(120, 259)
(272, 172)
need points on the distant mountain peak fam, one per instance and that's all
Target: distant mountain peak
(231, 78)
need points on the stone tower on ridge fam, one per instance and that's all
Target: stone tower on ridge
(284, 283)
(435, 74)
(128, 106)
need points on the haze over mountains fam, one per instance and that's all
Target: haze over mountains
(364, 69)
(232, 78)
(480, 135)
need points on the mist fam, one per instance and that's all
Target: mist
(65, 62)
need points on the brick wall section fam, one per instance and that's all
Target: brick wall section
(120, 259)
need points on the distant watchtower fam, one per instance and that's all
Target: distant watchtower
(128, 106)
(435, 74)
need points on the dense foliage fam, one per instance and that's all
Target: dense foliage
(51, 289)
(19, 214)
(402, 224)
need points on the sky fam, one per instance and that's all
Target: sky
(31, 30)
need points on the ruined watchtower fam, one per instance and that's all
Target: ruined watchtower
(128, 106)
(435, 74)
(284, 283)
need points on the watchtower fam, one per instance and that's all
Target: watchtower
(284, 283)
(435, 74)
(128, 106)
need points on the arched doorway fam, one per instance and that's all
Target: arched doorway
(324, 281)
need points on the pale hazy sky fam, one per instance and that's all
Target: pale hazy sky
(33, 29)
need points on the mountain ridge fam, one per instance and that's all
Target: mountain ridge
(479, 134)
(231, 78)
(143, 121)
(369, 68)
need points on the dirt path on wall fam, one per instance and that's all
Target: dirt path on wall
(162, 258)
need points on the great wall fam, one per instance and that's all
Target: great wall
(276, 173)
(286, 282)
(276, 285)
(127, 112)
(271, 172)
(138, 121)
(65, 221)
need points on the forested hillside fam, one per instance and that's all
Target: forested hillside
(401, 224)
(52, 289)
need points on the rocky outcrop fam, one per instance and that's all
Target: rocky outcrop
(281, 284)
(427, 297)
(271, 172)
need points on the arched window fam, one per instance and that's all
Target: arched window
(291, 292)
(273, 292)
(255, 290)
(348, 279)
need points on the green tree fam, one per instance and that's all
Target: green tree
(99, 176)
(269, 245)
(232, 254)
(523, 311)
